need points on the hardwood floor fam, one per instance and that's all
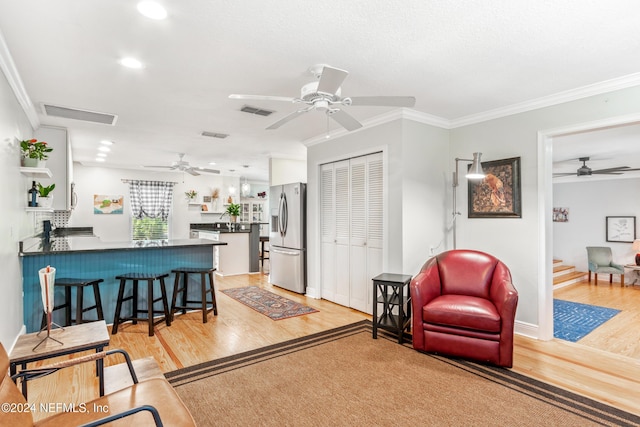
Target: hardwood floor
(588, 368)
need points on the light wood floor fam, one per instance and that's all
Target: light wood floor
(587, 368)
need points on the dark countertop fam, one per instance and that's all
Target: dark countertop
(71, 244)
(223, 227)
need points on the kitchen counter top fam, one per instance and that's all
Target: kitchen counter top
(223, 227)
(75, 243)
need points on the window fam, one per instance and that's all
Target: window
(150, 207)
(149, 229)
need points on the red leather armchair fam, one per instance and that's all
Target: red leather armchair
(464, 305)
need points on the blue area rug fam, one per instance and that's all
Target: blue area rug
(572, 320)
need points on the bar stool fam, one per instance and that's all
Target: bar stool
(135, 278)
(204, 273)
(263, 239)
(79, 285)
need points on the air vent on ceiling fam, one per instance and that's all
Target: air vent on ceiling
(214, 134)
(76, 114)
(254, 110)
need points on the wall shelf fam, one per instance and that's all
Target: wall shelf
(28, 209)
(210, 212)
(36, 172)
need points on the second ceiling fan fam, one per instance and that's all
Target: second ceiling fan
(325, 95)
(585, 170)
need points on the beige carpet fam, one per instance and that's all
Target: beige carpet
(345, 378)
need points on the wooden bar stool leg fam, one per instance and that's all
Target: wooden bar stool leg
(165, 304)
(150, 305)
(98, 299)
(185, 288)
(79, 304)
(213, 292)
(67, 303)
(176, 287)
(116, 318)
(203, 296)
(134, 302)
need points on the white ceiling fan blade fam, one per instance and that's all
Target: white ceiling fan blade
(382, 101)
(346, 120)
(190, 171)
(159, 167)
(331, 79)
(263, 97)
(287, 118)
(207, 170)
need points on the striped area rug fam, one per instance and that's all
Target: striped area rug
(343, 377)
(572, 321)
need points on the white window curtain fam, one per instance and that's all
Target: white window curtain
(151, 199)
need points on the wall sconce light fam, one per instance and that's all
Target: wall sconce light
(474, 172)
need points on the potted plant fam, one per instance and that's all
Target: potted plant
(233, 210)
(34, 152)
(45, 200)
(191, 195)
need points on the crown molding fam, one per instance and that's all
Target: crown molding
(399, 113)
(10, 71)
(547, 101)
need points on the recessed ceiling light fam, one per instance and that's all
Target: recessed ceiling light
(106, 142)
(131, 63)
(212, 163)
(99, 159)
(152, 10)
(104, 149)
(102, 154)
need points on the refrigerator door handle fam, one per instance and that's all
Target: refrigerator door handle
(285, 205)
(280, 213)
(277, 251)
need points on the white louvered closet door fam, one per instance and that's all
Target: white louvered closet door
(358, 234)
(342, 232)
(351, 229)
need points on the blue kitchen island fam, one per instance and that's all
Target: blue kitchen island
(87, 257)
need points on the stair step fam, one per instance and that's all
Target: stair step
(559, 270)
(569, 278)
(557, 262)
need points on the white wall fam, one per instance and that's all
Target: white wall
(16, 223)
(286, 171)
(95, 180)
(415, 174)
(589, 203)
(518, 241)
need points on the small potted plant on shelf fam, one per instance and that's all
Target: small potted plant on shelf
(191, 195)
(233, 210)
(46, 199)
(34, 152)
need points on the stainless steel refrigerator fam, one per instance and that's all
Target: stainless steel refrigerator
(287, 237)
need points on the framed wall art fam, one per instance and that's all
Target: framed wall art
(498, 194)
(108, 204)
(560, 214)
(621, 229)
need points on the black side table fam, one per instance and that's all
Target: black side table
(392, 296)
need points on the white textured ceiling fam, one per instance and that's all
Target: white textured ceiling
(458, 58)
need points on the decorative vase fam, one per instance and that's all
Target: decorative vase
(234, 218)
(45, 202)
(34, 163)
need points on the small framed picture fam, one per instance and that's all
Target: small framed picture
(621, 229)
(206, 199)
(560, 214)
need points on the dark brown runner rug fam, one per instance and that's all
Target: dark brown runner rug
(343, 377)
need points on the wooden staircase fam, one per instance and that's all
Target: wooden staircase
(565, 275)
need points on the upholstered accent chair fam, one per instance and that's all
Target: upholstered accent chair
(600, 260)
(464, 305)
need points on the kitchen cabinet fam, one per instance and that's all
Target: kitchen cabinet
(60, 163)
(351, 225)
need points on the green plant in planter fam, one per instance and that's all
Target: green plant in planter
(34, 149)
(44, 191)
(233, 209)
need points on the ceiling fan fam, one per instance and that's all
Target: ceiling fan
(585, 170)
(184, 166)
(325, 95)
